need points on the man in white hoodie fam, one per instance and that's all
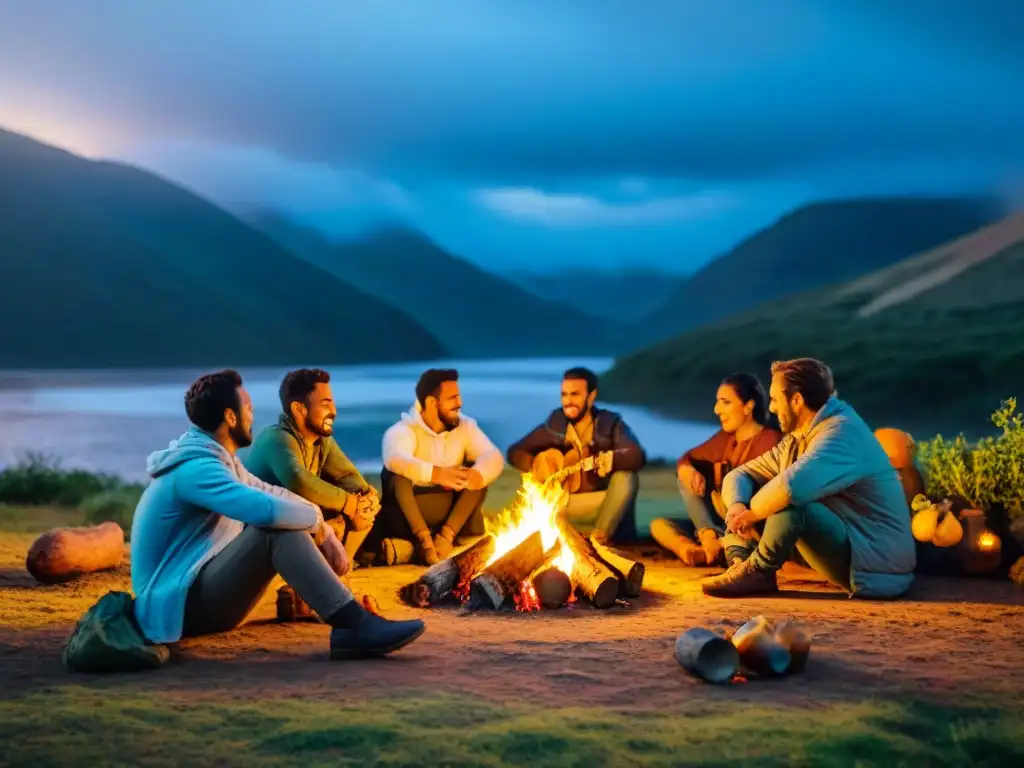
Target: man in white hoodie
(208, 537)
(437, 466)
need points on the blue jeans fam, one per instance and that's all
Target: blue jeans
(701, 511)
(813, 531)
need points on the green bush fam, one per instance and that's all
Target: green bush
(117, 505)
(39, 479)
(988, 473)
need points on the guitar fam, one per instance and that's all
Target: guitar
(570, 466)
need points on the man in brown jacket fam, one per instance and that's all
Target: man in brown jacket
(601, 501)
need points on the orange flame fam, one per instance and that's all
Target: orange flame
(535, 508)
(988, 541)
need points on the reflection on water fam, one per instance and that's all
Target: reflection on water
(110, 421)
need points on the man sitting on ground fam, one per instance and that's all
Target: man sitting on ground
(208, 538)
(300, 454)
(827, 490)
(437, 466)
(599, 498)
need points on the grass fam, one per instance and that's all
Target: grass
(80, 724)
(40, 481)
(943, 359)
(140, 719)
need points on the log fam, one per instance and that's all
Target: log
(706, 655)
(437, 582)
(630, 572)
(63, 554)
(499, 581)
(553, 587)
(592, 577)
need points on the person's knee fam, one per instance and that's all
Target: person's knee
(625, 482)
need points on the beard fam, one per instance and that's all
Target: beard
(787, 419)
(450, 420)
(322, 429)
(241, 436)
(580, 413)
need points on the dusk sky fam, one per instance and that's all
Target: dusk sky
(532, 134)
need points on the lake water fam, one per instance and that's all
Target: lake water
(110, 421)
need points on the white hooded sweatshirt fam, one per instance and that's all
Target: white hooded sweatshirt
(412, 449)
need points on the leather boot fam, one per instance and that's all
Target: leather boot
(374, 636)
(741, 580)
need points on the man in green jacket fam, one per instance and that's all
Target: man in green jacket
(300, 454)
(827, 491)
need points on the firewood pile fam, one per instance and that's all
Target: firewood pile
(529, 577)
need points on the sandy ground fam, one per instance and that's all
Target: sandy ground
(950, 638)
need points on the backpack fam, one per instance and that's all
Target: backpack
(108, 639)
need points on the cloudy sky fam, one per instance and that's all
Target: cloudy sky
(532, 134)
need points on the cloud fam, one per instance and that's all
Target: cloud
(519, 93)
(574, 210)
(339, 199)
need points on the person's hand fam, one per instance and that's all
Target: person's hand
(739, 519)
(368, 496)
(452, 478)
(692, 479)
(604, 463)
(443, 542)
(427, 550)
(334, 552)
(474, 480)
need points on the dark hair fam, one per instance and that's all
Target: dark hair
(210, 395)
(748, 388)
(582, 373)
(810, 377)
(298, 385)
(430, 382)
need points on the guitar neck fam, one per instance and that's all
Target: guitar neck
(584, 465)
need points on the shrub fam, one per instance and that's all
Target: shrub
(38, 479)
(117, 505)
(989, 474)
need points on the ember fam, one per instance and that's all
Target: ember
(530, 558)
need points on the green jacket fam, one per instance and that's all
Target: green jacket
(320, 473)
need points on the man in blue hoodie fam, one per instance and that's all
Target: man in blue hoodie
(827, 491)
(208, 538)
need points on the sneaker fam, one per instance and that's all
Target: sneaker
(375, 636)
(742, 579)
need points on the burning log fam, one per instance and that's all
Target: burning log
(589, 573)
(553, 587)
(440, 579)
(500, 580)
(63, 554)
(630, 572)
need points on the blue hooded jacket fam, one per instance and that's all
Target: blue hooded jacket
(199, 500)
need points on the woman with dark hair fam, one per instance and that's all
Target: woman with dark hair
(741, 406)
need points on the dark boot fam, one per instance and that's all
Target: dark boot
(374, 636)
(742, 579)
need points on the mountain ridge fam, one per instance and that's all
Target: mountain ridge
(111, 265)
(882, 361)
(479, 313)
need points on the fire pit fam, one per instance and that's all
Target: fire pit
(530, 558)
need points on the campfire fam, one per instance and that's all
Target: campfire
(530, 558)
